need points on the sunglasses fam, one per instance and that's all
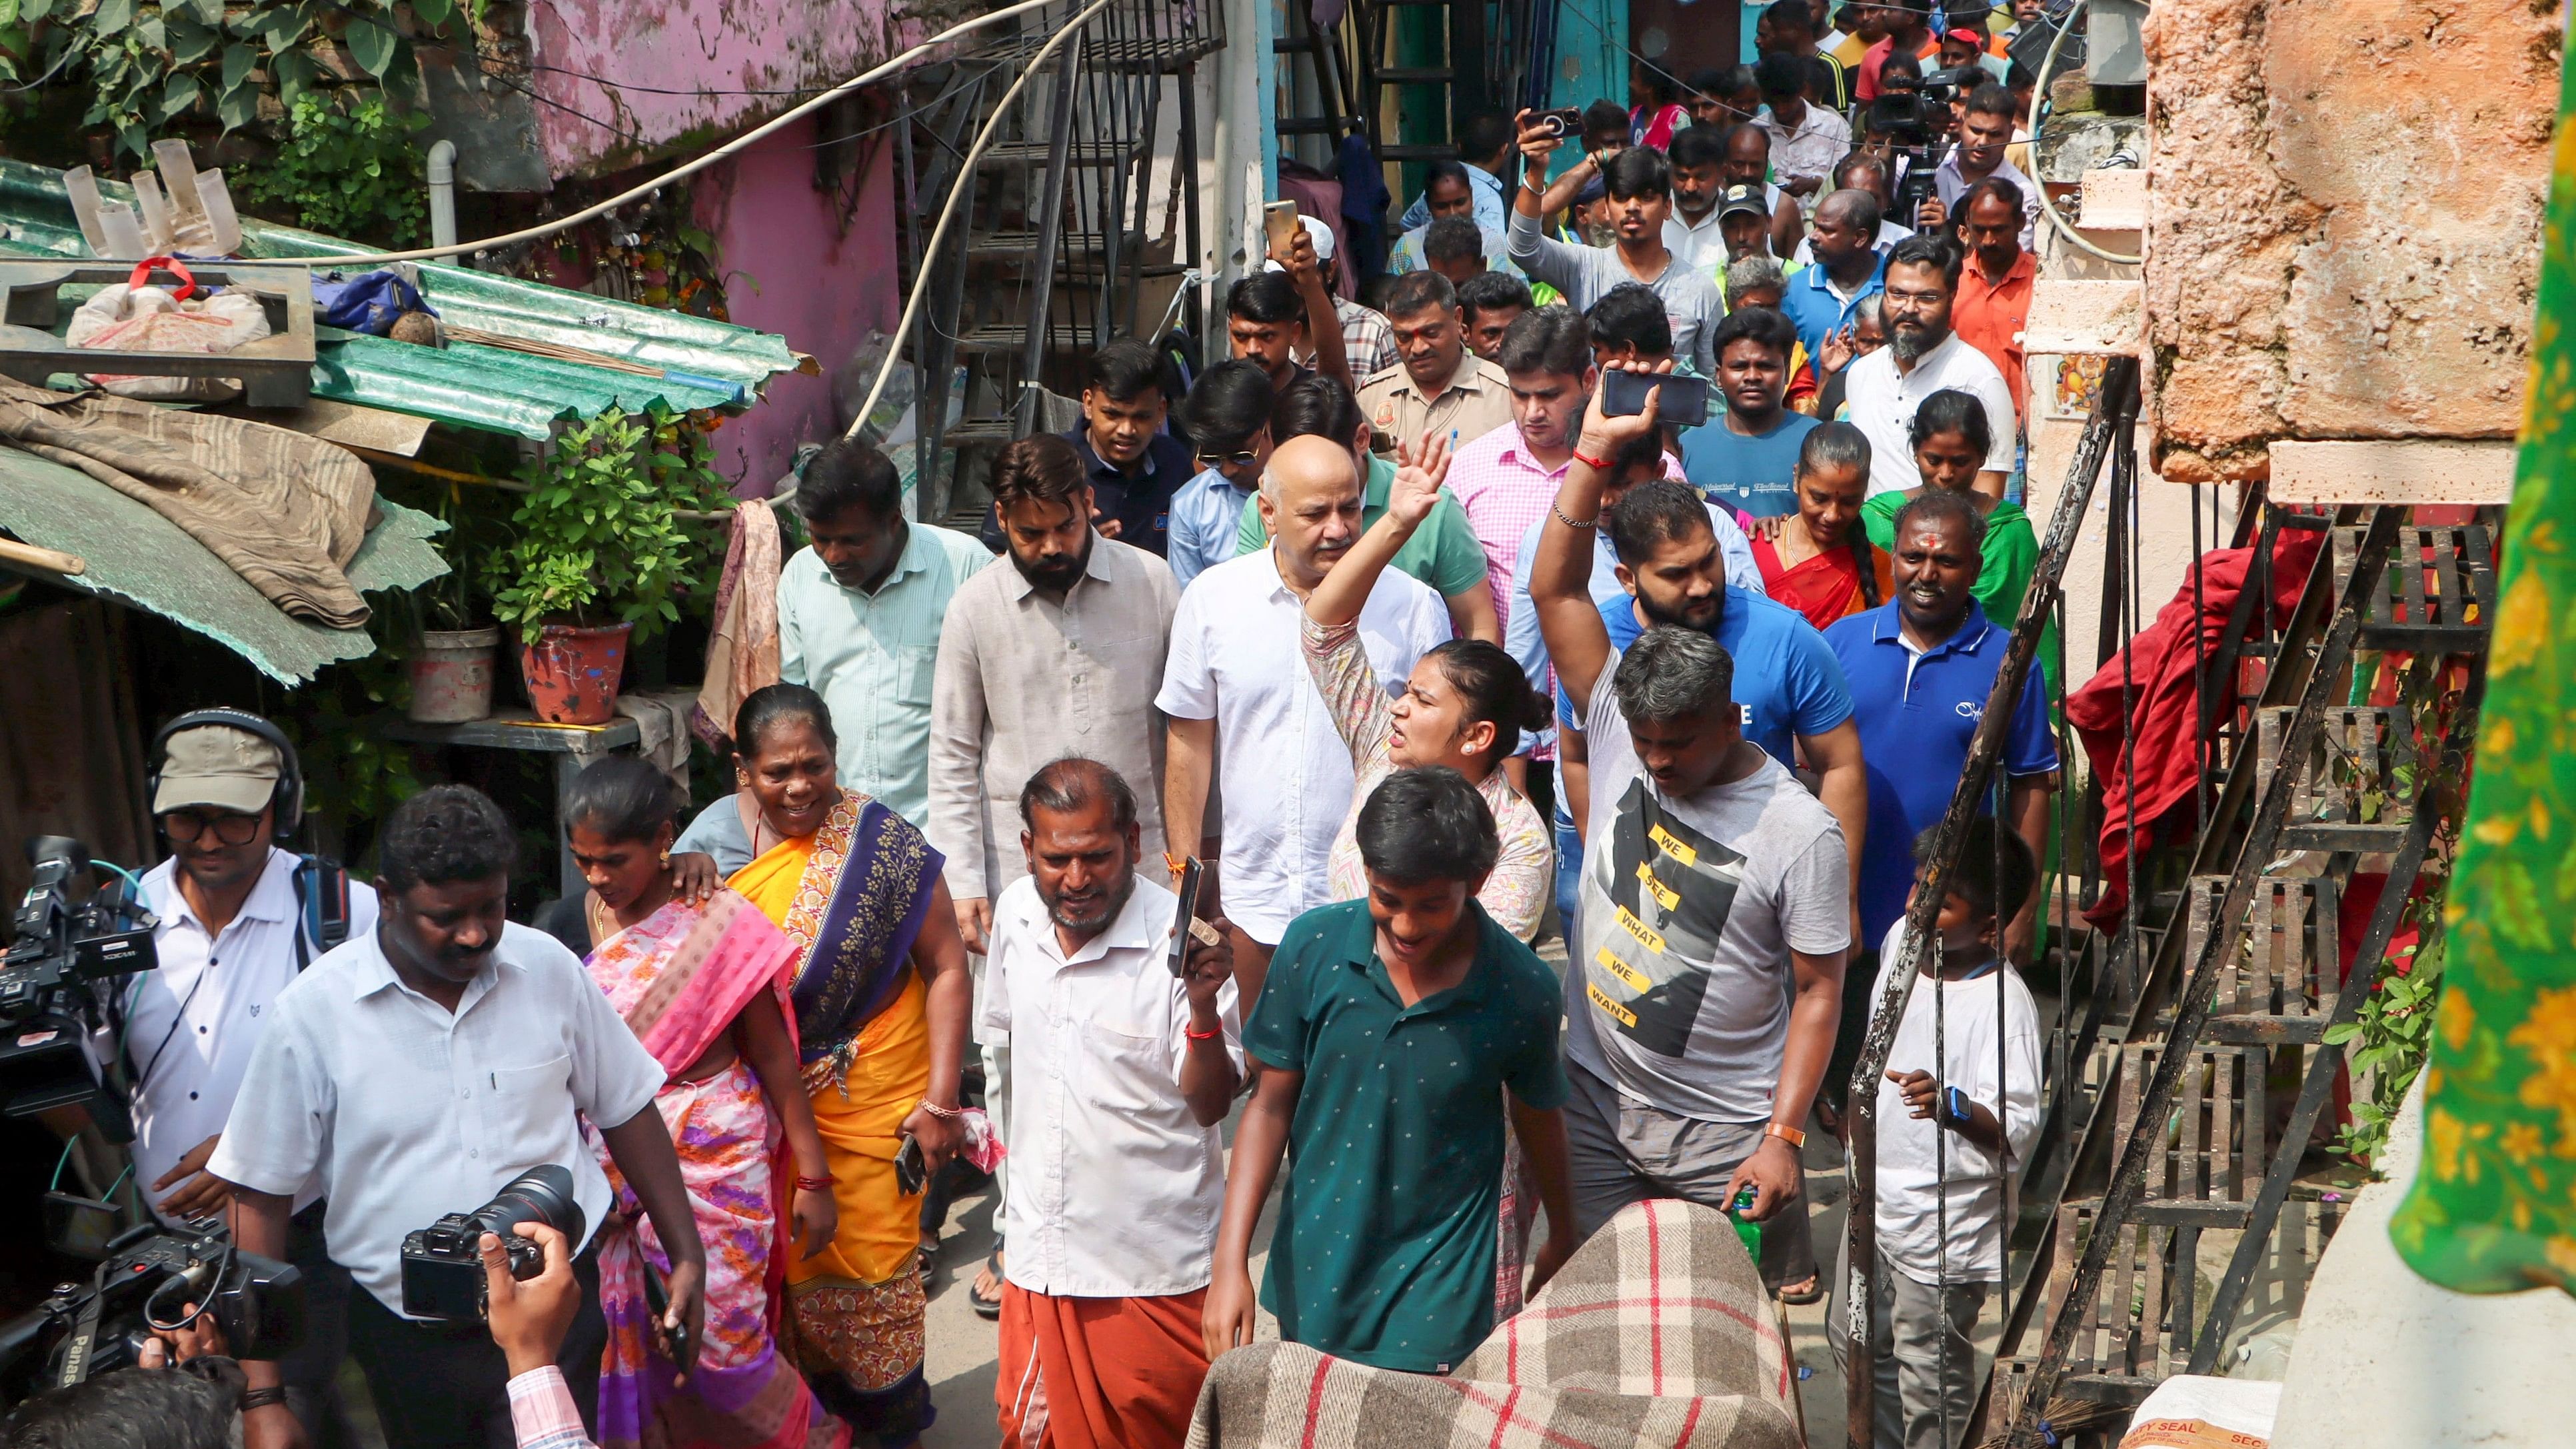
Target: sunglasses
(1229, 460)
(185, 827)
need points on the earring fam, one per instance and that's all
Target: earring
(666, 857)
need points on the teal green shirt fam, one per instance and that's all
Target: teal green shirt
(871, 657)
(1443, 552)
(1384, 1252)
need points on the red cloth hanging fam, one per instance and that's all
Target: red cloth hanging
(2165, 703)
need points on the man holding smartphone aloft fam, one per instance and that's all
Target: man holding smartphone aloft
(1121, 1071)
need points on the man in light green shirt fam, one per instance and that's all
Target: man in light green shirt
(859, 610)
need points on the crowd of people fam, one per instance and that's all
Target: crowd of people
(1424, 648)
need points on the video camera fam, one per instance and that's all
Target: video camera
(59, 1019)
(442, 1264)
(145, 1280)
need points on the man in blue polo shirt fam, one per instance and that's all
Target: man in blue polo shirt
(1921, 668)
(1849, 266)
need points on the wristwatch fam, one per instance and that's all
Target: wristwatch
(1796, 1139)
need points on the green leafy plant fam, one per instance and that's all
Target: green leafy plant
(348, 168)
(598, 539)
(148, 64)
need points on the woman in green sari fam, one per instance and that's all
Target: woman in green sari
(1950, 436)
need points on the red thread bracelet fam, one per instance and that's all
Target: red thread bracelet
(1597, 465)
(813, 1184)
(1209, 1035)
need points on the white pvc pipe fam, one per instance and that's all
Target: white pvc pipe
(442, 197)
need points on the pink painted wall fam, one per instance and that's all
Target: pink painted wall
(791, 268)
(640, 65)
(793, 264)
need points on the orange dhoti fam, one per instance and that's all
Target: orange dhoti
(1099, 1373)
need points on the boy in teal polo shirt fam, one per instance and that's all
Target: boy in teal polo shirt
(1388, 1029)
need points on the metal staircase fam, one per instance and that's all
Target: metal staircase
(1055, 256)
(2194, 1047)
(2192, 1105)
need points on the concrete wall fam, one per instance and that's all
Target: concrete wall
(619, 80)
(2343, 223)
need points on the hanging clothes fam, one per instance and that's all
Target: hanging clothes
(742, 650)
(2164, 704)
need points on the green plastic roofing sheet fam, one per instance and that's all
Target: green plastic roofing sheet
(135, 556)
(706, 364)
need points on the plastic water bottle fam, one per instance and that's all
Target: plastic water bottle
(1745, 1227)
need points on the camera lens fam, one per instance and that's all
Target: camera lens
(541, 1194)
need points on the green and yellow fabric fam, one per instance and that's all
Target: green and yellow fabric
(2493, 1208)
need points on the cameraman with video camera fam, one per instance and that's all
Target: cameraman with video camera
(408, 1075)
(239, 920)
(1985, 131)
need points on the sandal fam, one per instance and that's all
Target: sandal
(990, 1308)
(1800, 1297)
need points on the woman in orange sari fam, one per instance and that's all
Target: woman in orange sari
(704, 987)
(1819, 560)
(881, 996)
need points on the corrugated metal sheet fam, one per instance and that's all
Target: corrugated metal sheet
(138, 557)
(708, 364)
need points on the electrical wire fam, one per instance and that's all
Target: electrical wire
(948, 209)
(681, 172)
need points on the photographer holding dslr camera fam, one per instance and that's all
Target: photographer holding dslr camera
(411, 1073)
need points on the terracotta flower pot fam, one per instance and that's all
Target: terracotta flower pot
(571, 672)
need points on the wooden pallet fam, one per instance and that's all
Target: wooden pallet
(2281, 984)
(2213, 1152)
(2356, 784)
(2443, 602)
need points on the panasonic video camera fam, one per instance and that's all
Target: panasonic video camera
(59, 1009)
(442, 1264)
(146, 1279)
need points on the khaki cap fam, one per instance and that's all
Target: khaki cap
(219, 766)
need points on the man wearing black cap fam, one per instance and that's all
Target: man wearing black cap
(239, 918)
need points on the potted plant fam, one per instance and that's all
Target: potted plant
(599, 553)
(452, 670)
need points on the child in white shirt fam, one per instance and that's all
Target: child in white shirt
(1952, 1123)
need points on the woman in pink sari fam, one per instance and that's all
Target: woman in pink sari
(704, 987)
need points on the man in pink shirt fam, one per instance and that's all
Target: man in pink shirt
(1505, 479)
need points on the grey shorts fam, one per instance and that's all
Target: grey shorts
(1620, 1152)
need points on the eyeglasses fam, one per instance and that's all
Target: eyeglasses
(232, 829)
(1229, 460)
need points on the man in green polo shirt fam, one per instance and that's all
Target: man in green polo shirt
(1387, 1029)
(1443, 552)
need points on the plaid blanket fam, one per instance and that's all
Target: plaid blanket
(1656, 1332)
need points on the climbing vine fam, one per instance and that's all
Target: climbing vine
(151, 65)
(2386, 1043)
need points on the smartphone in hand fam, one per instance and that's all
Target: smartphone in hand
(1280, 224)
(910, 1174)
(1191, 875)
(1684, 403)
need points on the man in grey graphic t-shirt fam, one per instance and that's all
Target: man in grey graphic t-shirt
(1715, 916)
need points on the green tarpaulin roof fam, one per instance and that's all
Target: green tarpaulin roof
(138, 557)
(707, 364)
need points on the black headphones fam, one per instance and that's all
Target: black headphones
(286, 802)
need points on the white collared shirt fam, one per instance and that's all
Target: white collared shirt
(1286, 775)
(1883, 401)
(1115, 1187)
(405, 1112)
(197, 1014)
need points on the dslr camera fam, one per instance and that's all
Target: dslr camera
(442, 1264)
(145, 1280)
(60, 1012)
